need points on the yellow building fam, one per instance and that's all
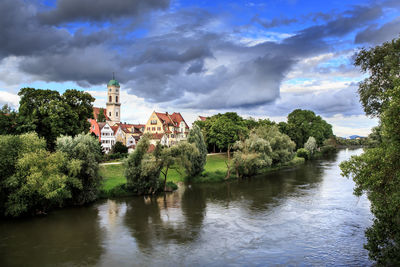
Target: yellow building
(166, 128)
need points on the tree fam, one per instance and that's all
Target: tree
(119, 147)
(377, 171)
(33, 180)
(101, 117)
(87, 181)
(311, 145)
(381, 63)
(304, 123)
(142, 171)
(281, 144)
(251, 155)
(50, 114)
(226, 129)
(196, 137)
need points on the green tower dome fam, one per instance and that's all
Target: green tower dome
(113, 82)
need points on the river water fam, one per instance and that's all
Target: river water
(302, 217)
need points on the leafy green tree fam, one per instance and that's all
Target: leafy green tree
(85, 149)
(281, 144)
(101, 117)
(375, 137)
(251, 155)
(119, 147)
(142, 171)
(381, 63)
(186, 154)
(377, 171)
(33, 180)
(311, 145)
(196, 137)
(39, 183)
(50, 114)
(304, 123)
(226, 129)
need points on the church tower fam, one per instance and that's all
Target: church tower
(113, 101)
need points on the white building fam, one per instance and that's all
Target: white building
(107, 136)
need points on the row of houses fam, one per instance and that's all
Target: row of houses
(168, 129)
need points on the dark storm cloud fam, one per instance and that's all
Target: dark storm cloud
(184, 59)
(20, 32)
(376, 35)
(99, 10)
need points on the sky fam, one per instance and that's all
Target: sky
(262, 59)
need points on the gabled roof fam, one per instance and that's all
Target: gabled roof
(171, 120)
(177, 118)
(101, 124)
(96, 112)
(115, 128)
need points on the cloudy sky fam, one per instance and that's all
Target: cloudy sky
(258, 58)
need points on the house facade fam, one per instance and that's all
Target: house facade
(168, 129)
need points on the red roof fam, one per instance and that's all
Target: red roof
(96, 112)
(174, 119)
(115, 128)
(203, 118)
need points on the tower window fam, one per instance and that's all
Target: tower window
(116, 113)
(116, 99)
(110, 89)
(110, 98)
(109, 113)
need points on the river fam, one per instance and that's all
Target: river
(303, 216)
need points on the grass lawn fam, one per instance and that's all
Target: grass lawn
(214, 171)
(113, 175)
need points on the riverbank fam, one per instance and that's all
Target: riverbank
(214, 172)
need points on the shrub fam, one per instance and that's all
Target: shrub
(311, 145)
(303, 153)
(328, 149)
(119, 148)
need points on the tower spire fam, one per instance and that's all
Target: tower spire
(113, 76)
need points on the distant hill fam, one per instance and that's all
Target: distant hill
(355, 136)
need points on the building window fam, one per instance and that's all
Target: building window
(93, 127)
(116, 99)
(153, 122)
(153, 128)
(109, 113)
(158, 128)
(116, 90)
(116, 114)
(148, 128)
(110, 98)
(110, 89)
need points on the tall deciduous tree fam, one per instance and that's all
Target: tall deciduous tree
(50, 114)
(381, 63)
(377, 171)
(8, 120)
(302, 124)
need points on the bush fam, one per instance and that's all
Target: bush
(119, 148)
(303, 153)
(325, 150)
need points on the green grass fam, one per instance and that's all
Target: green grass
(214, 171)
(113, 175)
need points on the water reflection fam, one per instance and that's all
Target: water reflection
(306, 215)
(66, 237)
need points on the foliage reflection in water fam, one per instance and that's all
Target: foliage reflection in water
(303, 216)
